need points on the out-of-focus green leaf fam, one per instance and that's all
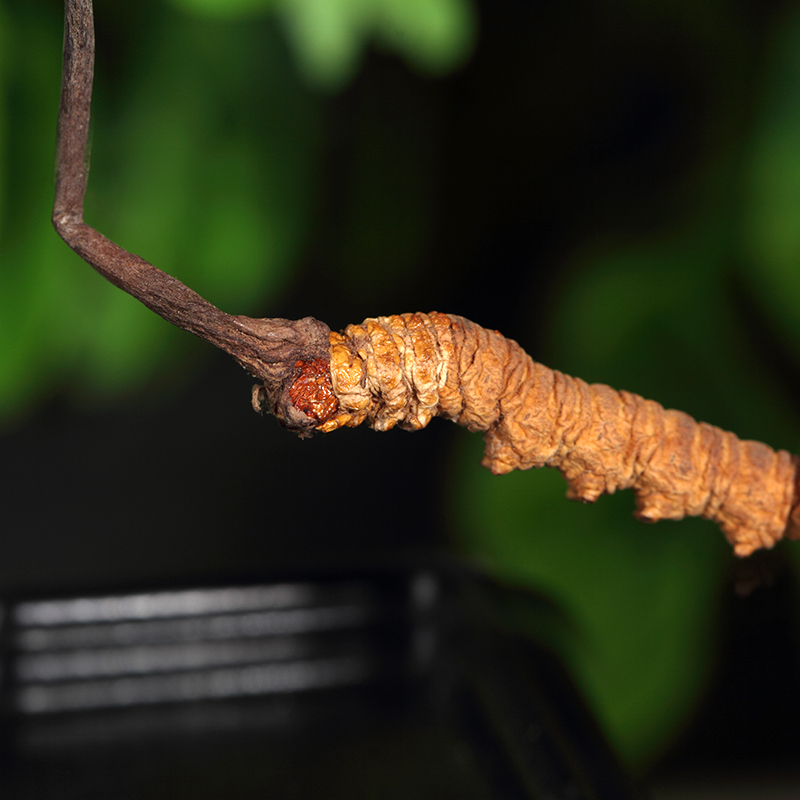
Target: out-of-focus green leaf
(205, 146)
(771, 220)
(225, 9)
(329, 36)
(4, 48)
(655, 319)
(434, 35)
(210, 178)
(641, 600)
(659, 320)
(29, 58)
(772, 203)
(202, 162)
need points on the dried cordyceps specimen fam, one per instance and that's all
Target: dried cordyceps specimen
(404, 370)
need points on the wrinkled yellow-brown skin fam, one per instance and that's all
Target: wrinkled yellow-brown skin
(405, 369)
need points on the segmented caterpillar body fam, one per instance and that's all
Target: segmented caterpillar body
(405, 369)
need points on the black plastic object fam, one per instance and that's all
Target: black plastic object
(388, 684)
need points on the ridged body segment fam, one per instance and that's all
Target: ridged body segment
(405, 369)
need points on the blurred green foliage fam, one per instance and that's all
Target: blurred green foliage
(205, 164)
(189, 171)
(661, 313)
(657, 321)
(771, 234)
(210, 127)
(640, 603)
(330, 36)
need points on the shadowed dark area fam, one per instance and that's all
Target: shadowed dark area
(581, 136)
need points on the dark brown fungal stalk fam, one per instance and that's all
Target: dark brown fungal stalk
(404, 370)
(267, 348)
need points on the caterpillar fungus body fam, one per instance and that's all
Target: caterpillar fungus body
(405, 369)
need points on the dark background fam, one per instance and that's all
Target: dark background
(576, 130)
